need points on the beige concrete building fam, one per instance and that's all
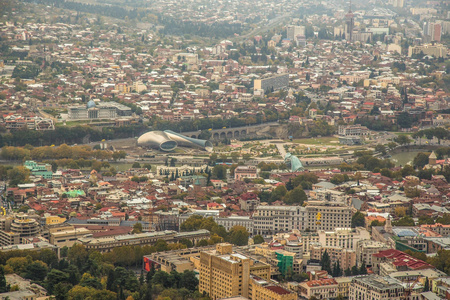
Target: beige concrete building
(365, 249)
(242, 172)
(437, 50)
(142, 239)
(269, 220)
(227, 274)
(343, 285)
(261, 289)
(321, 289)
(339, 238)
(332, 215)
(67, 236)
(345, 257)
(375, 287)
(14, 228)
(177, 260)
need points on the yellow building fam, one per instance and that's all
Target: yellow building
(226, 274)
(65, 235)
(54, 220)
(261, 289)
(343, 285)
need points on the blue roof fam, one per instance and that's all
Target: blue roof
(91, 104)
(402, 232)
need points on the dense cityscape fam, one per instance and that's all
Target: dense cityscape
(259, 150)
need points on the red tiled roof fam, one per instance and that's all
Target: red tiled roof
(321, 282)
(400, 258)
(278, 289)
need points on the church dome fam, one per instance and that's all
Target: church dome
(90, 104)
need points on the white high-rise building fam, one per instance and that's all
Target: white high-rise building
(294, 31)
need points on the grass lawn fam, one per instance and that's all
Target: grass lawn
(403, 133)
(328, 140)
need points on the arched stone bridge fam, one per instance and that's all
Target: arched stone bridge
(233, 132)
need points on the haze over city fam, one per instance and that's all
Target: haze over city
(211, 149)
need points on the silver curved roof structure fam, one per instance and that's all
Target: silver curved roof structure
(189, 142)
(158, 140)
(293, 162)
(168, 140)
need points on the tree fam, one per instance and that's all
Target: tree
(78, 255)
(278, 193)
(337, 271)
(363, 268)
(3, 286)
(325, 262)
(61, 290)
(238, 235)
(405, 221)
(192, 223)
(187, 243)
(188, 280)
(213, 157)
(296, 196)
(400, 211)
(148, 166)
(136, 165)
(137, 228)
(219, 172)
(419, 255)
(258, 239)
(161, 278)
(358, 220)
(54, 277)
(426, 287)
(36, 271)
(421, 160)
(380, 148)
(18, 175)
(87, 280)
(404, 120)
(403, 140)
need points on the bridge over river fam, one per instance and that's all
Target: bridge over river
(234, 132)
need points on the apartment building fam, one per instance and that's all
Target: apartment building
(365, 249)
(271, 83)
(345, 257)
(353, 130)
(374, 287)
(224, 273)
(232, 221)
(14, 229)
(388, 261)
(436, 50)
(242, 172)
(320, 215)
(261, 289)
(292, 32)
(339, 238)
(268, 220)
(320, 289)
(67, 237)
(332, 215)
(443, 230)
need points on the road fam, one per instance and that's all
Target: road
(270, 25)
(281, 149)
